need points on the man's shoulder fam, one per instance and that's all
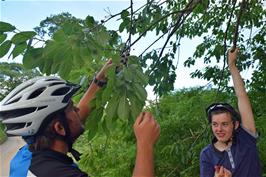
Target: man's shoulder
(52, 163)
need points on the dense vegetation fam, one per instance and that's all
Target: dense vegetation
(184, 132)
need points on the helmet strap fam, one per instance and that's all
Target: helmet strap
(67, 138)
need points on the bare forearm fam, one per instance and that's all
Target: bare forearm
(144, 166)
(84, 103)
(237, 81)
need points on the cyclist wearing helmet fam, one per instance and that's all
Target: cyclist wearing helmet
(42, 112)
(233, 150)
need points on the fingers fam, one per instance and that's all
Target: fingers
(227, 173)
(146, 129)
(233, 49)
(101, 74)
(220, 171)
(139, 119)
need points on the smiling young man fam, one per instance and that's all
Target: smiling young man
(233, 150)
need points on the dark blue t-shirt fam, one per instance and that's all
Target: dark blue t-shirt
(241, 158)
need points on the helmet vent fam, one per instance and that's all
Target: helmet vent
(19, 92)
(36, 93)
(15, 126)
(52, 79)
(28, 124)
(56, 83)
(61, 91)
(42, 107)
(13, 101)
(16, 113)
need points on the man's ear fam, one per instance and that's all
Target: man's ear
(236, 124)
(59, 128)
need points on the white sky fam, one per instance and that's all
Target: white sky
(26, 15)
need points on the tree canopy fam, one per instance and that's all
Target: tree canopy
(75, 48)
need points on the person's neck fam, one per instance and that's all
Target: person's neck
(221, 146)
(60, 146)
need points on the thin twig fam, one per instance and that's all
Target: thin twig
(182, 17)
(156, 22)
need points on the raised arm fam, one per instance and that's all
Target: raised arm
(244, 105)
(147, 132)
(84, 106)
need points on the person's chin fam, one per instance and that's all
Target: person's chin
(80, 132)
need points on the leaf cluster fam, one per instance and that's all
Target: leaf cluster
(123, 98)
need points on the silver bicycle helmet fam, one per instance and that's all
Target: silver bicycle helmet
(25, 108)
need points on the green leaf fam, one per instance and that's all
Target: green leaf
(124, 14)
(142, 77)
(128, 75)
(48, 63)
(90, 21)
(2, 37)
(123, 25)
(105, 126)
(32, 58)
(60, 36)
(111, 108)
(65, 69)
(22, 36)
(92, 123)
(4, 48)
(123, 108)
(5, 27)
(19, 48)
(135, 106)
(140, 92)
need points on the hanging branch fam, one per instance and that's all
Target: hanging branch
(192, 4)
(157, 21)
(182, 17)
(128, 42)
(235, 37)
(237, 25)
(112, 16)
(225, 46)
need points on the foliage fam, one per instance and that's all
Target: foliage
(220, 24)
(77, 43)
(184, 132)
(76, 48)
(13, 74)
(123, 98)
(112, 155)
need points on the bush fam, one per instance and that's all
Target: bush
(184, 132)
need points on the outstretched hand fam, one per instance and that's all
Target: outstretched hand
(146, 129)
(232, 55)
(101, 74)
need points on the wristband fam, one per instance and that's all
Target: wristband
(99, 83)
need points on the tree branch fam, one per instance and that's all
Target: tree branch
(237, 25)
(182, 17)
(225, 46)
